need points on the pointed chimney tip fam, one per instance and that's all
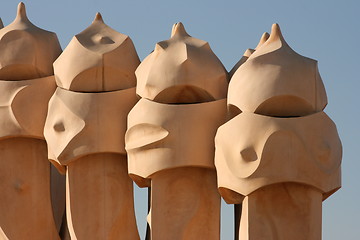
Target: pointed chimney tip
(21, 11)
(263, 39)
(276, 32)
(179, 29)
(98, 17)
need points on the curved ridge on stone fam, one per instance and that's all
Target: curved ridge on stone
(97, 59)
(181, 66)
(306, 150)
(72, 130)
(263, 39)
(277, 81)
(248, 52)
(15, 107)
(26, 51)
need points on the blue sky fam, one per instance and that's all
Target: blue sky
(327, 31)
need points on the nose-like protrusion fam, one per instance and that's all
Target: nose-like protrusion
(59, 126)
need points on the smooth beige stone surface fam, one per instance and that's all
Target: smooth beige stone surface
(85, 128)
(100, 202)
(182, 69)
(185, 204)
(248, 53)
(23, 106)
(276, 81)
(170, 136)
(282, 212)
(164, 136)
(26, 83)
(97, 59)
(243, 59)
(279, 154)
(254, 151)
(80, 124)
(25, 204)
(27, 52)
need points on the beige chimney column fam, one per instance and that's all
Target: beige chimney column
(279, 155)
(85, 131)
(233, 111)
(170, 136)
(26, 84)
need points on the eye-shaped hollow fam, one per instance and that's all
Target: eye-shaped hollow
(233, 111)
(182, 94)
(285, 106)
(142, 135)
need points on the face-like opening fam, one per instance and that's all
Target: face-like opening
(183, 94)
(98, 79)
(17, 72)
(233, 111)
(285, 106)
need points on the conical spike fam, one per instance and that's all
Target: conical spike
(275, 33)
(1, 24)
(178, 29)
(248, 52)
(21, 12)
(98, 18)
(263, 39)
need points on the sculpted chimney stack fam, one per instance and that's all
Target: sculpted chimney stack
(279, 155)
(26, 84)
(85, 131)
(170, 136)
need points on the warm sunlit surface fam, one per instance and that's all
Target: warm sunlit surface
(328, 32)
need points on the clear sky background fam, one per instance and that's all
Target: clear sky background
(327, 31)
